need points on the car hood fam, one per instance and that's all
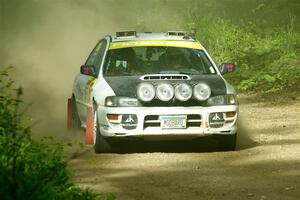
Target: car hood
(127, 85)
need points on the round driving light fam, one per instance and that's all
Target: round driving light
(183, 92)
(146, 92)
(202, 91)
(165, 92)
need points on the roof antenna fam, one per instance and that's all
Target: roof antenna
(193, 33)
(192, 30)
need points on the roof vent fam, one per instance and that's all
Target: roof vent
(126, 34)
(176, 33)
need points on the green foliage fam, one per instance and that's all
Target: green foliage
(265, 58)
(29, 169)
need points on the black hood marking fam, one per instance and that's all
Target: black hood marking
(126, 86)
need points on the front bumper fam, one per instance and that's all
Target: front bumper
(148, 123)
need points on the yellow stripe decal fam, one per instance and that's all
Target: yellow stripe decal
(164, 43)
(88, 89)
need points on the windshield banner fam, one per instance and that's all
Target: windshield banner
(166, 43)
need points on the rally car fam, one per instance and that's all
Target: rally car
(162, 85)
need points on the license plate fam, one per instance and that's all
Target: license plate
(173, 122)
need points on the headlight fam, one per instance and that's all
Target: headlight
(222, 100)
(202, 91)
(165, 92)
(146, 92)
(183, 92)
(114, 101)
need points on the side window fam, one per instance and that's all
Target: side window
(96, 56)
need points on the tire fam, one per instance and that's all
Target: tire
(101, 144)
(227, 142)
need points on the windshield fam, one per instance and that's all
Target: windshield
(132, 61)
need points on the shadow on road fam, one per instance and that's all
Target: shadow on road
(202, 144)
(178, 146)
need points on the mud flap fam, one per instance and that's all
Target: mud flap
(89, 131)
(70, 113)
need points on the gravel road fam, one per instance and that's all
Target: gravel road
(266, 164)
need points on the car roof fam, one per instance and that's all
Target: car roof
(152, 36)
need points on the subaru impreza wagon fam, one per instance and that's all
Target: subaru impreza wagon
(152, 85)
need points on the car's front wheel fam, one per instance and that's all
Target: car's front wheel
(101, 144)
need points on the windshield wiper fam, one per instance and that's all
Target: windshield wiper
(188, 73)
(177, 72)
(168, 72)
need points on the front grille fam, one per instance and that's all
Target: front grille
(193, 120)
(151, 121)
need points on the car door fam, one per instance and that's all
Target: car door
(84, 83)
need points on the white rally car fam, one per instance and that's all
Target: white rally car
(152, 85)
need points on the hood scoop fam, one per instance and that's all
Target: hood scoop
(165, 77)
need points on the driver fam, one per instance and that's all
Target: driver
(122, 61)
(175, 58)
(128, 56)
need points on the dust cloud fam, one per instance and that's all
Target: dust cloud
(47, 41)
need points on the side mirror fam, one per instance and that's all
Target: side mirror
(226, 68)
(88, 70)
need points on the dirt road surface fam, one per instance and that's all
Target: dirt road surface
(266, 164)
